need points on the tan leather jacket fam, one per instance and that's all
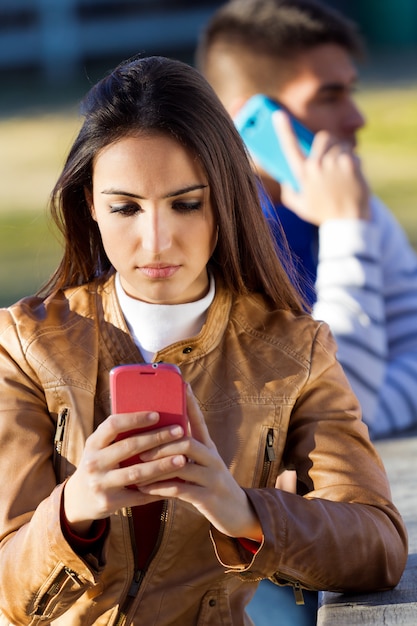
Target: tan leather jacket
(273, 396)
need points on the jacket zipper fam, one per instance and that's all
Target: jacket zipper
(295, 584)
(55, 588)
(58, 440)
(298, 593)
(139, 574)
(269, 457)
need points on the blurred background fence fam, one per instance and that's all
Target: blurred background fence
(57, 36)
(51, 51)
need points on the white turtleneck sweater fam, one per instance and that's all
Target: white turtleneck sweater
(155, 326)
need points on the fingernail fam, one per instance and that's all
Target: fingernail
(176, 431)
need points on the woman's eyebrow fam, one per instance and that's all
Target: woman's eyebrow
(177, 192)
(186, 190)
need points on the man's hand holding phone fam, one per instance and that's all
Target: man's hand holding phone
(331, 182)
(320, 177)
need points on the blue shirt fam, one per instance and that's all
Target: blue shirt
(302, 238)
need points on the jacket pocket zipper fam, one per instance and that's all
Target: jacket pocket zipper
(268, 460)
(46, 601)
(269, 457)
(58, 441)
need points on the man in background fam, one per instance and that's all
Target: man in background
(349, 246)
(359, 269)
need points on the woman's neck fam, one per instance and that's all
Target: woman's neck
(155, 326)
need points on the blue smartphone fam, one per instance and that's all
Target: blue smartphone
(254, 123)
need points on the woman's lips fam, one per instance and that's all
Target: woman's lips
(158, 271)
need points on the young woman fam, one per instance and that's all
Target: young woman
(168, 258)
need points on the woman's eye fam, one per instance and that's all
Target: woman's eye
(124, 209)
(187, 207)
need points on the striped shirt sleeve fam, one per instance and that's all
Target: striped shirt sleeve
(367, 292)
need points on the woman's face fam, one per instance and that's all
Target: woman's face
(151, 202)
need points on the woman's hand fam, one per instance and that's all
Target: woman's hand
(332, 185)
(98, 486)
(207, 483)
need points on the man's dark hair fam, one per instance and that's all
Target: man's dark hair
(279, 28)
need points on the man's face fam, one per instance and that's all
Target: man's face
(318, 89)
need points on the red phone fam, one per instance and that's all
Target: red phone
(148, 387)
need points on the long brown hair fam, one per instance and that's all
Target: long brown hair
(156, 94)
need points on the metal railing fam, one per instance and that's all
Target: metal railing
(55, 36)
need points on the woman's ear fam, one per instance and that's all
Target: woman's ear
(89, 199)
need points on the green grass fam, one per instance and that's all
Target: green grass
(34, 151)
(34, 148)
(389, 150)
(29, 250)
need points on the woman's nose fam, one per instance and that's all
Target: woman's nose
(155, 232)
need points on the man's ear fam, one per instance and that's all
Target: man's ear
(235, 105)
(89, 199)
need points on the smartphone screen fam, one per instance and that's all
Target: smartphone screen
(148, 387)
(254, 123)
